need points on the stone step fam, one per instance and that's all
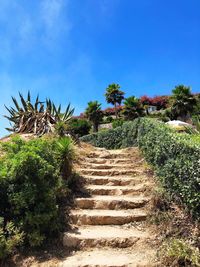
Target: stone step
(115, 190)
(113, 172)
(100, 161)
(110, 155)
(110, 257)
(106, 217)
(108, 180)
(111, 202)
(107, 166)
(101, 236)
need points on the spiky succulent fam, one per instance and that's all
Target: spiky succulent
(38, 118)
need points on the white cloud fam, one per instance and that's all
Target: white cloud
(54, 18)
(50, 11)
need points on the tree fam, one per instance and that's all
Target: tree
(146, 102)
(183, 102)
(114, 95)
(94, 114)
(133, 108)
(160, 102)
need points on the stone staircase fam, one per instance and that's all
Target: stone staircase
(109, 228)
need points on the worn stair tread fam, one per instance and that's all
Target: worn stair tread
(116, 187)
(100, 161)
(94, 212)
(117, 177)
(108, 166)
(111, 202)
(109, 258)
(115, 190)
(111, 172)
(140, 198)
(99, 232)
(113, 180)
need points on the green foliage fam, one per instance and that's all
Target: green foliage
(61, 128)
(38, 117)
(94, 114)
(79, 127)
(176, 160)
(65, 148)
(117, 123)
(183, 102)
(10, 238)
(133, 108)
(177, 252)
(30, 185)
(114, 95)
(174, 156)
(108, 119)
(120, 137)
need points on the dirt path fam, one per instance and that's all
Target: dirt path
(109, 228)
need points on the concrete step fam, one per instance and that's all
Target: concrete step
(113, 172)
(101, 236)
(110, 258)
(111, 202)
(115, 190)
(114, 180)
(106, 217)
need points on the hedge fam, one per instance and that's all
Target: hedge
(120, 137)
(174, 156)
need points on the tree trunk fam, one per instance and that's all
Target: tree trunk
(95, 127)
(116, 115)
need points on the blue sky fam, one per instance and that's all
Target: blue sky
(70, 50)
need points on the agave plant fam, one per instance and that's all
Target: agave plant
(38, 118)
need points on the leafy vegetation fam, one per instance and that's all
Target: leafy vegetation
(174, 156)
(38, 117)
(120, 137)
(177, 252)
(79, 127)
(183, 102)
(94, 114)
(132, 108)
(117, 123)
(32, 177)
(114, 96)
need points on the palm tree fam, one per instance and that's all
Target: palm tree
(114, 95)
(183, 102)
(133, 108)
(94, 114)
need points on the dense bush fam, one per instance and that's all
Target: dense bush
(117, 123)
(30, 184)
(120, 137)
(176, 160)
(175, 156)
(79, 127)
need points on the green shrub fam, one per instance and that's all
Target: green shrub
(117, 123)
(175, 156)
(30, 186)
(10, 238)
(108, 119)
(123, 136)
(177, 252)
(79, 127)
